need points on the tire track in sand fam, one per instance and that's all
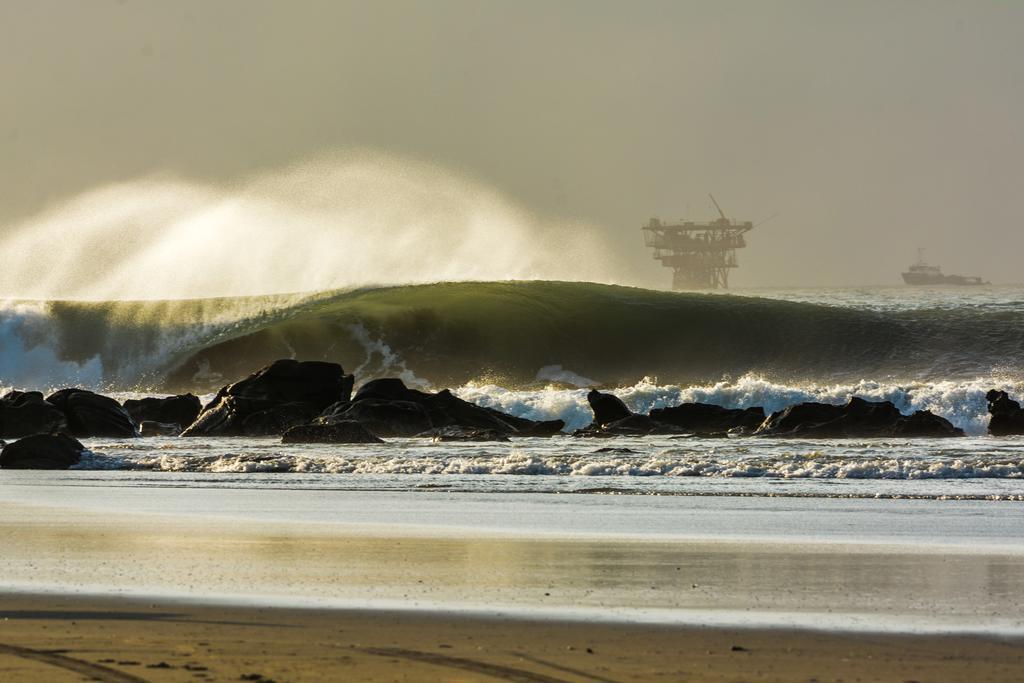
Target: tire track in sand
(94, 671)
(506, 673)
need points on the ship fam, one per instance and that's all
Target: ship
(922, 273)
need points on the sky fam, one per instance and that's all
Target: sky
(870, 128)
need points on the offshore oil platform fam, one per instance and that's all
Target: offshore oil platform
(699, 254)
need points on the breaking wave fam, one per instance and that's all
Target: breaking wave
(517, 335)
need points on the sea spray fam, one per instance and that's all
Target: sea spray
(330, 223)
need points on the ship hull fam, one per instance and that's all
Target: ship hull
(922, 279)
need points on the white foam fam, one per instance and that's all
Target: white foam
(702, 459)
(961, 402)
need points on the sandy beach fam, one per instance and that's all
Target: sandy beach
(50, 638)
(162, 590)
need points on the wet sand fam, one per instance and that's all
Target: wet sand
(217, 598)
(51, 638)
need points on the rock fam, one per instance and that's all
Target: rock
(276, 420)
(798, 416)
(154, 428)
(1007, 416)
(292, 381)
(182, 410)
(452, 433)
(387, 389)
(543, 428)
(705, 418)
(857, 419)
(392, 418)
(41, 452)
(923, 424)
(343, 431)
(633, 425)
(90, 414)
(607, 407)
(273, 399)
(223, 417)
(23, 413)
(433, 411)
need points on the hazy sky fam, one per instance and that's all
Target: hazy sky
(872, 128)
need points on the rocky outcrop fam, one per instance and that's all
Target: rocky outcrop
(276, 420)
(613, 418)
(856, 419)
(389, 408)
(1007, 417)
(41, 452)
(23, 413)
(344, 431)
(291, 381)
(706, 419)
(90, 414)
(182, 410)
(607, 408)
(273, 399)
(383, 418)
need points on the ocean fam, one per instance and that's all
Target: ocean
(533, 349)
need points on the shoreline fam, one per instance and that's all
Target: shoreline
(126, 641)
(737, 621)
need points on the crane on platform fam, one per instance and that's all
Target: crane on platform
(720, 212)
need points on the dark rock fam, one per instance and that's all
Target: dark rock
(453, 433)
(633, 425)
(182, 410)
(857, 419)
(276, 420)
(154, 428)
(392, 418)
(924, 423)
(443, 409)
(279, 396)
(704, 418)
(343, 431)
(23, 413)
(799, 416)
(1007, 416)
(447, 409)
(292, 381)
(544, 428)
(225, 417)
(90, 414)
(41, 452)
(388, 389)
(607, 407)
